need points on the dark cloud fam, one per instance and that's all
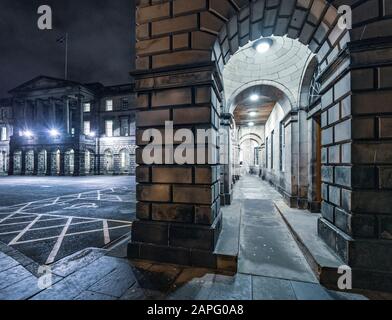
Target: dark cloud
(101, 41)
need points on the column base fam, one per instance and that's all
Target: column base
(226, 198)
(181, 244)
(368, 258)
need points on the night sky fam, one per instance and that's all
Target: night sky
(101, 41)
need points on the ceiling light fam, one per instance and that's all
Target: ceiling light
(54, 133)
(251, 124)
(253, 114)
(254, 97)
(263, 45)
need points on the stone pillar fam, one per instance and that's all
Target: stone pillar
(11, 163)
(66, 116)
(357, 154)
(178, 205)
(62, 163)
(49, 155)
(23, 160)
(226, 160)
(35, 170)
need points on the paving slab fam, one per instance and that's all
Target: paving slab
(265, 288)
(267, 247)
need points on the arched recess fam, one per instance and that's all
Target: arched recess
(42, 162)
(55, 162)
(89, 162)
(108, 163)
(29, 159)
(69, 162)
(177, 73)
(17, 155)
(3, 162)
(125, 161)
(252, 136)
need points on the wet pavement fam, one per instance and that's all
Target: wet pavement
(73, 219)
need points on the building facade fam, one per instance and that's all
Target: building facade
(64, 128)
(5, 134)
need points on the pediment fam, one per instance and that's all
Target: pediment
(43, 83)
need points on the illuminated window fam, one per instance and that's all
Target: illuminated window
(87, 107)
(86, 128)
(109, 105)
(4, 134)
(109, 128)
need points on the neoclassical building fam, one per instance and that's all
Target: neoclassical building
(319, 89)
(5, 134)
(62, 127)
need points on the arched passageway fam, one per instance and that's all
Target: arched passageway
(176, 81)
(108, 164)
(70, 162)
(43, 162)
(3, 162)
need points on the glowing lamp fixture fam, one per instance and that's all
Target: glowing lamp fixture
(254, 97)
(54, 133)
(28, 134)
(263, 45)
(251, 124)
(253, 114)
(92, 134)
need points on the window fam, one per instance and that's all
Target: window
(266, 152)
(109, 128)
(125, 103)
(282, 147)
(109, 105)
(87, 107)
(86, 128)
(256, 156)
(272, 149)
(4, 134)
(124, 127)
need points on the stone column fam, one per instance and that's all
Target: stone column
(49, 155)
(66, 115)
(35, 170)
(226, 160)
(178, 205)
(23, 167)
(62, 163)
(357, 156)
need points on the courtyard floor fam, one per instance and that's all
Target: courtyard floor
(49, 218)
(270, 266)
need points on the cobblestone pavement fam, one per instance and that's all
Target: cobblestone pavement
(47, 230)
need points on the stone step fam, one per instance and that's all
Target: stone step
(303, 225)
(227, 247)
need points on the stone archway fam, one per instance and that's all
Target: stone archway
(176, 80)
(17, 159)
(69, 162)
(108, 161)
(125, 161)
(42, 162)
(3, 162)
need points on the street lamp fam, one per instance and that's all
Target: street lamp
(54, 133)
(92, 134)
(28, 134)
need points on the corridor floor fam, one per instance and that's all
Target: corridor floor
(266, 246)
